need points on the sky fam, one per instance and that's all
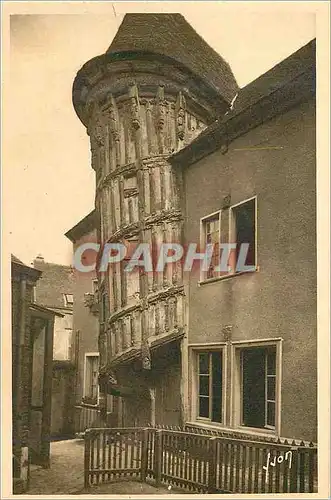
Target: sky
(48, 179)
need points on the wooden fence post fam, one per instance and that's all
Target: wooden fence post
(212, 470)
(312, 461)
(87, 454)
(144, 454)
(294, 471)
(158, 457)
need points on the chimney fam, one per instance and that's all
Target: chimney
(38, 261)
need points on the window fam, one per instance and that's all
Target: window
(242, 220)
(211, 236)
(130, 192)
(68, 299)
(95, 287)
(130, 279)
(231, 234)
(210, 386)
(110, 403)
(258, 375)
(91, 378)
(104, 309)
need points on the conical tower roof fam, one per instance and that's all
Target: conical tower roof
(172, 36)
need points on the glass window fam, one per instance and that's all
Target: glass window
(210, 382)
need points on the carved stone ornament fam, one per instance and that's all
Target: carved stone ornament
(226, 201)
(180, 116)
(161, 107)
(135, 107)
(146, 356)
(146, 363)
(96, 126)
(227, 332)
(113, 118)
(91, 301)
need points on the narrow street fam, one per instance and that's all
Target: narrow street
(66, 475)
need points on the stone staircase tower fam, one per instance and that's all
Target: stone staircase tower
(154, 90)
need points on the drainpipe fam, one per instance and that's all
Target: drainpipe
(153, 407)
(20, 340)
(76, 359)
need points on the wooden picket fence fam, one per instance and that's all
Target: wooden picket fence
(198, 462)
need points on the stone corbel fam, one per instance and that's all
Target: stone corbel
(226, 202)
(91, 301)
(227, 332)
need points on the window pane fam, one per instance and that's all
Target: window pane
(204, 385)
(204, 407)
(204, 363)
(217, 387)
(245, 229)
(271, 414)
(271, 388)
(253, 368)
(271, 361)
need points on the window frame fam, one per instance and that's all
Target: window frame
(236, 392)
(195, 350)
(66, 302)
(95, 289)
(203, 237)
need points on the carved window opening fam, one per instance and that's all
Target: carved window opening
(130, 195)
(131, 279)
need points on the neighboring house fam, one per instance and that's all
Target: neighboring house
(86, 332)
(55, 291)
(251, 346)
(32, 346)
(207, 350)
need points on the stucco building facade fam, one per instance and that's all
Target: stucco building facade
(254, 174)
(32, 346)
(85, 344)
(55, 291)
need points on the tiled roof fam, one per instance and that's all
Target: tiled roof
(47, 310)
(172, 36)
(84, 226)
(16, 260)
(274, 79)
(282, 86)
(20, 269)
(55, 281)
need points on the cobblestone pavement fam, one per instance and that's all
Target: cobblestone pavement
(66, 475)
